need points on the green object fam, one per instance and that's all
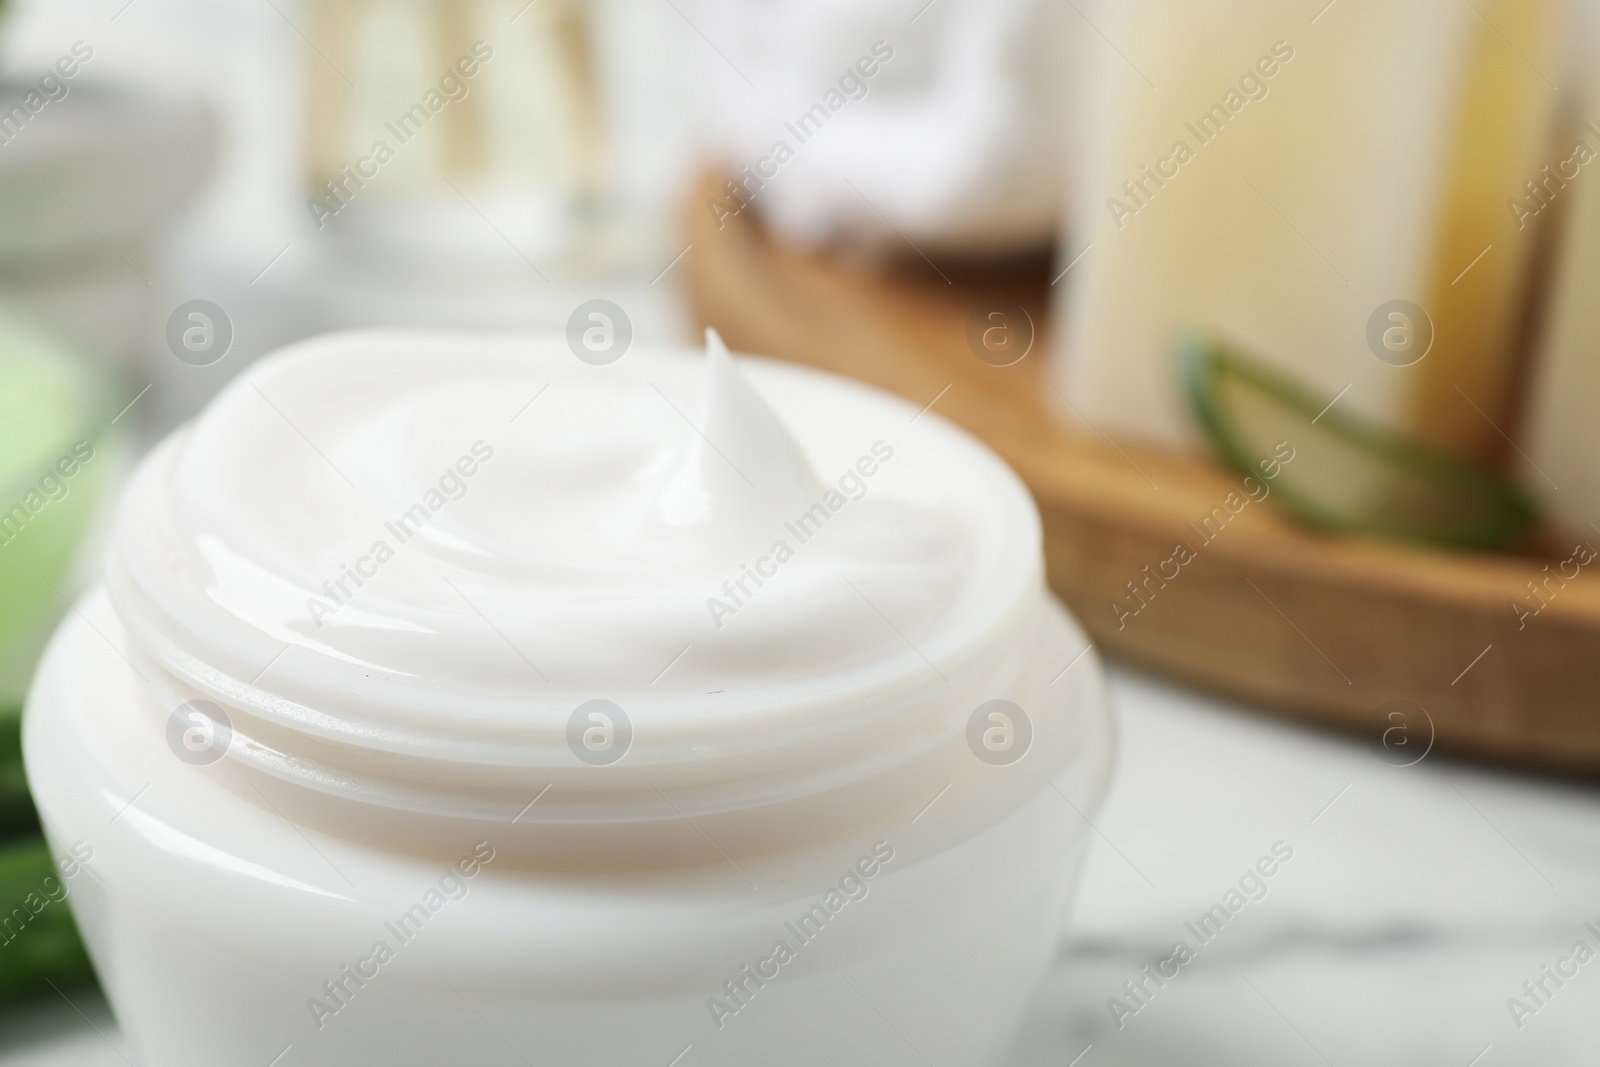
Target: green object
(55, 463)
(17, 816)
(1347, 475)
(39, 940)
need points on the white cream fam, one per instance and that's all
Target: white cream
(595, 532)
(403, 564)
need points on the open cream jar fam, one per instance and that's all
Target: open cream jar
(450, 699)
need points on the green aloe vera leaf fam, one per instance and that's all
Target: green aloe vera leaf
(1347, 475)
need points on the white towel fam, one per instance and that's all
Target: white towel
(953, 142)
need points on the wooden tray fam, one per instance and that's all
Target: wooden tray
(1313, 627)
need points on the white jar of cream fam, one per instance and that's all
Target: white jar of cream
(451, 699)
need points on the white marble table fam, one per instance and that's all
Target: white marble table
(1417, 900)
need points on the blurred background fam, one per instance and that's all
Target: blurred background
(1285, 310)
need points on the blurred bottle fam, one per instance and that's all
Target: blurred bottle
(1328, 191)
(457, 140)
(1561, 422)
(93, 175)
(59, 456)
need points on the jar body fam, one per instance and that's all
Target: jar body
(225, 933)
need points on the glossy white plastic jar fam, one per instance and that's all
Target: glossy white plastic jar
(584, 769)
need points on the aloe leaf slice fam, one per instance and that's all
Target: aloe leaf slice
(1347, 475)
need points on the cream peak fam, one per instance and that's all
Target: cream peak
(739, 460)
